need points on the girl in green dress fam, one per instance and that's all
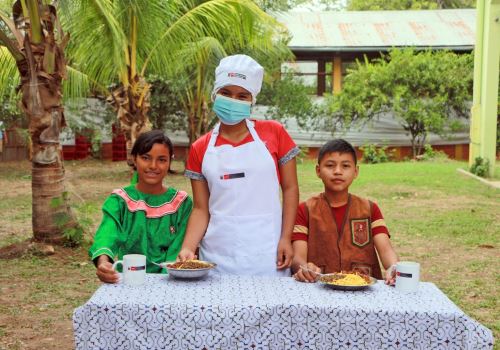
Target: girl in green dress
(144, 218)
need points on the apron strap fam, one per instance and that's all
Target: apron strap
(213, 137)
(255, 136)
(251, 129)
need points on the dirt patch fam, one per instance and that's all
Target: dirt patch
(37, 298)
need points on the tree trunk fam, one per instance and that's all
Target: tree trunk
(413, 145)
(421, 143)
(42, 71)
(132, 106)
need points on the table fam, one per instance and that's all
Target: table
(248, 312)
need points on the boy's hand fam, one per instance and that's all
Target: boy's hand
(390, 275)
(307, 276)
(285, 254)
(105, 270)
(186, 254)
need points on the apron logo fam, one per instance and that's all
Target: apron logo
(172, 230)
(232, 176)
(137, 268)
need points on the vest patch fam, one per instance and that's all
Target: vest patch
(360, 232)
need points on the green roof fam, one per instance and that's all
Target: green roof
(380, 30)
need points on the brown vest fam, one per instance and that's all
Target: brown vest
(350, 249)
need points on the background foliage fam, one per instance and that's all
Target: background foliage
(427, 91)
(362, 5)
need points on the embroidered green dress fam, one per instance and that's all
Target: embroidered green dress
(139, 223)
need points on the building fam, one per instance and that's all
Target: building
(326, 44)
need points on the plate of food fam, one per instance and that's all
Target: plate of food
(347, 280)
(188, 269)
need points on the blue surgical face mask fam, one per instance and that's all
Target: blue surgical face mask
(231, 111)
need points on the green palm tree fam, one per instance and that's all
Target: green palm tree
(32, 57)
(119, 43)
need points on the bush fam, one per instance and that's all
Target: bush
(480, 167)
(431, 154)
(373, 154)
(303, 154)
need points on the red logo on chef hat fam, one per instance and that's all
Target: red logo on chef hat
(237, 75)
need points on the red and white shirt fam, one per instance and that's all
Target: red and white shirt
(301, 227)
(273, 134)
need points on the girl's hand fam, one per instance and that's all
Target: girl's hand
(105, 270)
(390, 275)
(307, 276)
(285, 254)
(186, 254)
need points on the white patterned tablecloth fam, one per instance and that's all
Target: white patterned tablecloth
(242, 312)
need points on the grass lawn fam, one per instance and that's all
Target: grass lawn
(448, 222)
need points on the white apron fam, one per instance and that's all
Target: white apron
(245, 209)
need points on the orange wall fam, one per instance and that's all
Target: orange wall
(459, 152)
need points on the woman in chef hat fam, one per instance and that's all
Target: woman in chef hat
(236, 172)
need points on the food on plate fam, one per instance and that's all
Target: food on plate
(189, 265)
(346, 278)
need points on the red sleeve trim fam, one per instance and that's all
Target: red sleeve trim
(301, 227)
(299, 237)
(378, 222)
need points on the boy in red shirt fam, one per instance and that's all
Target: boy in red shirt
(338, 231)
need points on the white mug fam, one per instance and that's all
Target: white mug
(407, 276)
(134, 269)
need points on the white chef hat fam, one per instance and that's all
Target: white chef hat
(240, 70)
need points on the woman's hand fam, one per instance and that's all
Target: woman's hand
(285, 254)
(105, 270)
(186, 254)
(390, 275)
(303, 275)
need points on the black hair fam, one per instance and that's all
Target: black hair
(146, 140)
(337, 145)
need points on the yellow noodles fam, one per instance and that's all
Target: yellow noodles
(350, 280)
(346, 278)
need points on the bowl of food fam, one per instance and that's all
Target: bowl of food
(347, 280)
(189, 268)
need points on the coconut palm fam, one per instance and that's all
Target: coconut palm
(119, 43)
(32, 56)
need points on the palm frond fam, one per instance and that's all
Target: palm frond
(98, 43)
(9, 75)
(199, 61)
(80, 85)
(236, 23)
(10, 36)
